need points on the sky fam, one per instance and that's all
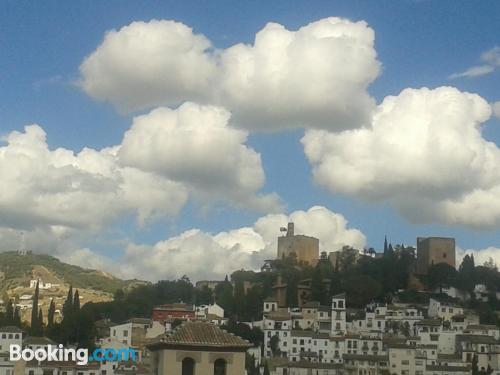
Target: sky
(155, 139)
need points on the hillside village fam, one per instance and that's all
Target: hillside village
(432, 326)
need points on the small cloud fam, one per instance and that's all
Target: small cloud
(475, 71)
(490, 62)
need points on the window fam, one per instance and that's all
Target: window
(341, 304)
(125, 333)
(188, 366)
(31, 372)
(219, 367)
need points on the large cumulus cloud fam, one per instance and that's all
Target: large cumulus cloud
(165, 158)
(196, 146)
(315, 76)
(40, 187)
(423, 152)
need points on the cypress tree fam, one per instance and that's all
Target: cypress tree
(50, 316)
(40, 322)
(68, 304)
(76, 302)
(385, 245)
(77, 321)
(17, 317)
(67, 325)
(34, 311)
(9, 313)
(266, 368)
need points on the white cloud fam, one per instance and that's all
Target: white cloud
(496, 109)
(203, 255)
(146, 64)
(313, 77)
(196, 146)
(490, 62)
(43, 187)
(166, 157)
(423, 153)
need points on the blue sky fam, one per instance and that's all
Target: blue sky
(419, 44)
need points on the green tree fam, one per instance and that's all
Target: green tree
(68, 323)
(224, 296)
(68, 304)
(466, 274)
(40, 322)
(35, 329)
(441, 275)
(274, 345)
(239, 299)
(250, 365)
(9, 313)
(76, 302)
(475, 368)
(361, 290)
(204, 296)
(253, 335)
(119, 295)
(51, 313)
(266, 369)
(318, 290)
(17, 317)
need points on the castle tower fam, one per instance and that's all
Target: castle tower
(304, 248)
(339, 315)
(434, 250)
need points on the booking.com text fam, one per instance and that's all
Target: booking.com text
(57, 353)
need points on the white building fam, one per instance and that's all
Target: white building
(10, 335)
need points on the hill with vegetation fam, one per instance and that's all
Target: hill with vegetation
(17, 270)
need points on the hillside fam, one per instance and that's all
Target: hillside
(17, 270)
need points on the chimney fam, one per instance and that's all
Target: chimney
(289, 231)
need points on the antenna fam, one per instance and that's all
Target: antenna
(22, 245)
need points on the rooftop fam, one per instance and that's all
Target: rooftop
(11, 329)
(200, 334)
(310, 365)
(38, 340)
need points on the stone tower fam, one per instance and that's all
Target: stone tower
(434, 250)
(305, 248)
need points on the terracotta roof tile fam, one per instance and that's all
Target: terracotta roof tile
(200, 334)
